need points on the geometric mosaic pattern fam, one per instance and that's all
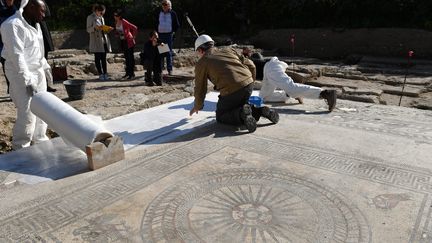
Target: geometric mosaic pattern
(241, 205)
(419, 130)
(249, 205)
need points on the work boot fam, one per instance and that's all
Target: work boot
(270, 114)
(330, 96)
(247, 118)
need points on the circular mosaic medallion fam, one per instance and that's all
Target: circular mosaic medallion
(249, 205)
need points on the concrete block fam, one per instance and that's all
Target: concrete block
(361, 98)
(102, 154)
(351, 91)
(408, 91)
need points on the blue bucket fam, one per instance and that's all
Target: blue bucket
(256, 101)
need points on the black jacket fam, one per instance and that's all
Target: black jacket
(5, 12)
(175, 24)
(150, 57)
(48, 42)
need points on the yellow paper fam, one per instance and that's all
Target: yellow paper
(106, 28)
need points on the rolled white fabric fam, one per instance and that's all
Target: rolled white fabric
(69, 123)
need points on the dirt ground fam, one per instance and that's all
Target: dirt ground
(116, 96)
(108, 99)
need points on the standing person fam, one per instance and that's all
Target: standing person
(127, 33)
(26, 68)
(7, 9)
(275, 77)
(151, 60)
(233, 75)
(48, 43)
(167, 25)
(99, 41)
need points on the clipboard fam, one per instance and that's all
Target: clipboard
(163, 49)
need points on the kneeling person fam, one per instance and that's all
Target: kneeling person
(275, 77)
(233, 75)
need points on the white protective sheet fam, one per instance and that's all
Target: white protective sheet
(70, 124)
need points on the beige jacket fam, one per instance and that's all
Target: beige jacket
(226, 69)
(97, 36)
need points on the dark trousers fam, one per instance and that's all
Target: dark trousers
(229, 107)
(153, 67)
(130, 59)
(3, 65)
(101, 62)
(156, 77)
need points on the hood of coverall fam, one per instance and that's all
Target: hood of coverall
(23, 4)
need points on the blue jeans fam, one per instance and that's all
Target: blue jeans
(167, 38)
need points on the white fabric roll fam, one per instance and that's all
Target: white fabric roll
(70, 124)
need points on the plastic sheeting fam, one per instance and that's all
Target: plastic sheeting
(70, 124)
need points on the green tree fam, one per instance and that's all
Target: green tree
(240, 16)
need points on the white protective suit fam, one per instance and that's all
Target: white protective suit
(25, 67)
(275, 77)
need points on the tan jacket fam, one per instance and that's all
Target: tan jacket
(226, 69)
(96, 36)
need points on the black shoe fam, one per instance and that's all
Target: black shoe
(247, 118)
(159, 84)
(330, 96)
(149, 83)
(50, 89)
(131, 77)
(270, 114)
(125, 76)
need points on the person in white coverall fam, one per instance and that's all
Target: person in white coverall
(26, 68)
(275, 77)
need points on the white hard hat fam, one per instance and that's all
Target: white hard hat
(202, 39)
